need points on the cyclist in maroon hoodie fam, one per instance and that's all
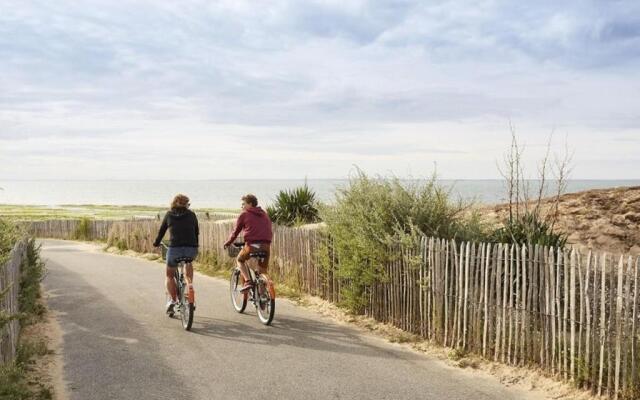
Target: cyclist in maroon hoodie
(255, 226)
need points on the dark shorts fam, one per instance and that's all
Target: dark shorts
(248, 249)
(178, 252)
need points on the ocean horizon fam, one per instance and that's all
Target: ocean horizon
(226, 193)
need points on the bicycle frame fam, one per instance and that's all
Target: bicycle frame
(254, 274)
(182, 283)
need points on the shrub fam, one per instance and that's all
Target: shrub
(295, 207)
(372, 215)
(33, 271)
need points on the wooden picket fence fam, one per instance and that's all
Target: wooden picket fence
(9, 291)
(572, 314)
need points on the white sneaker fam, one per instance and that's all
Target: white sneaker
(170, 305)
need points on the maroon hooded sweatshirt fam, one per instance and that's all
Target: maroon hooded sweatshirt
(255, 226)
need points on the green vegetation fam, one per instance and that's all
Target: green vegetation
(68, 211)
(33, 271)
(529, 228)
(14, 383)
(9, 234)
(372, 216)
(295, 207)
(83, 231)
(8, 237)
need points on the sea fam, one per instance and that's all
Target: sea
(227, 193)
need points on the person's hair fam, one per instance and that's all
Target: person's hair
(180, 201)
(250, 199)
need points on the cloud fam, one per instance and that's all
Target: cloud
(321, 75)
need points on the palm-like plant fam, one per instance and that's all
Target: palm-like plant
(295, 207)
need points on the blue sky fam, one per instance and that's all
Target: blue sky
(287, 89)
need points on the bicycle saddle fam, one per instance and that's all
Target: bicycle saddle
(184, 259)
(258, 254)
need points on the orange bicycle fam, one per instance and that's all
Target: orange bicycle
(262, 293)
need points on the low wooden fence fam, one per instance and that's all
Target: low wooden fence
(570, 313)
(70, 229)
(9, 291)
(294, 251)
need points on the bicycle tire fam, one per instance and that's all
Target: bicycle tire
(186, 311)
(238, 299)
(265, 304)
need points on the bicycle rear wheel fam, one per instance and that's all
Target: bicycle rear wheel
(186, 310)
(238, 299)
(266, 304)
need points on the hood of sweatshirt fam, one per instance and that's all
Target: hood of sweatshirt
(179, 212)
(255, 211)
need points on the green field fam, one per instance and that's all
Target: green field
(70, 211)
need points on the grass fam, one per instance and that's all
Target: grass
(71, 211)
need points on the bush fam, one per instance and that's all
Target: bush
(372, 215)
(33, 271)
(295, 207)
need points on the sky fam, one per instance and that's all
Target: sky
(293, 89)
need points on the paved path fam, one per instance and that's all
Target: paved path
(118, 344)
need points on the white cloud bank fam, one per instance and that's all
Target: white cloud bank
(287, 89)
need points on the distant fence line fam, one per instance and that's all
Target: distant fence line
(570, 313)
(9, 292)
(70, 229)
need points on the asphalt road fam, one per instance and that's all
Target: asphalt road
(119, 344)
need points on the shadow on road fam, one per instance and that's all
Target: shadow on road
(297, 332)
(107, 355)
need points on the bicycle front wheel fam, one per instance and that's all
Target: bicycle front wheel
(238, 299)
(266, 304)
